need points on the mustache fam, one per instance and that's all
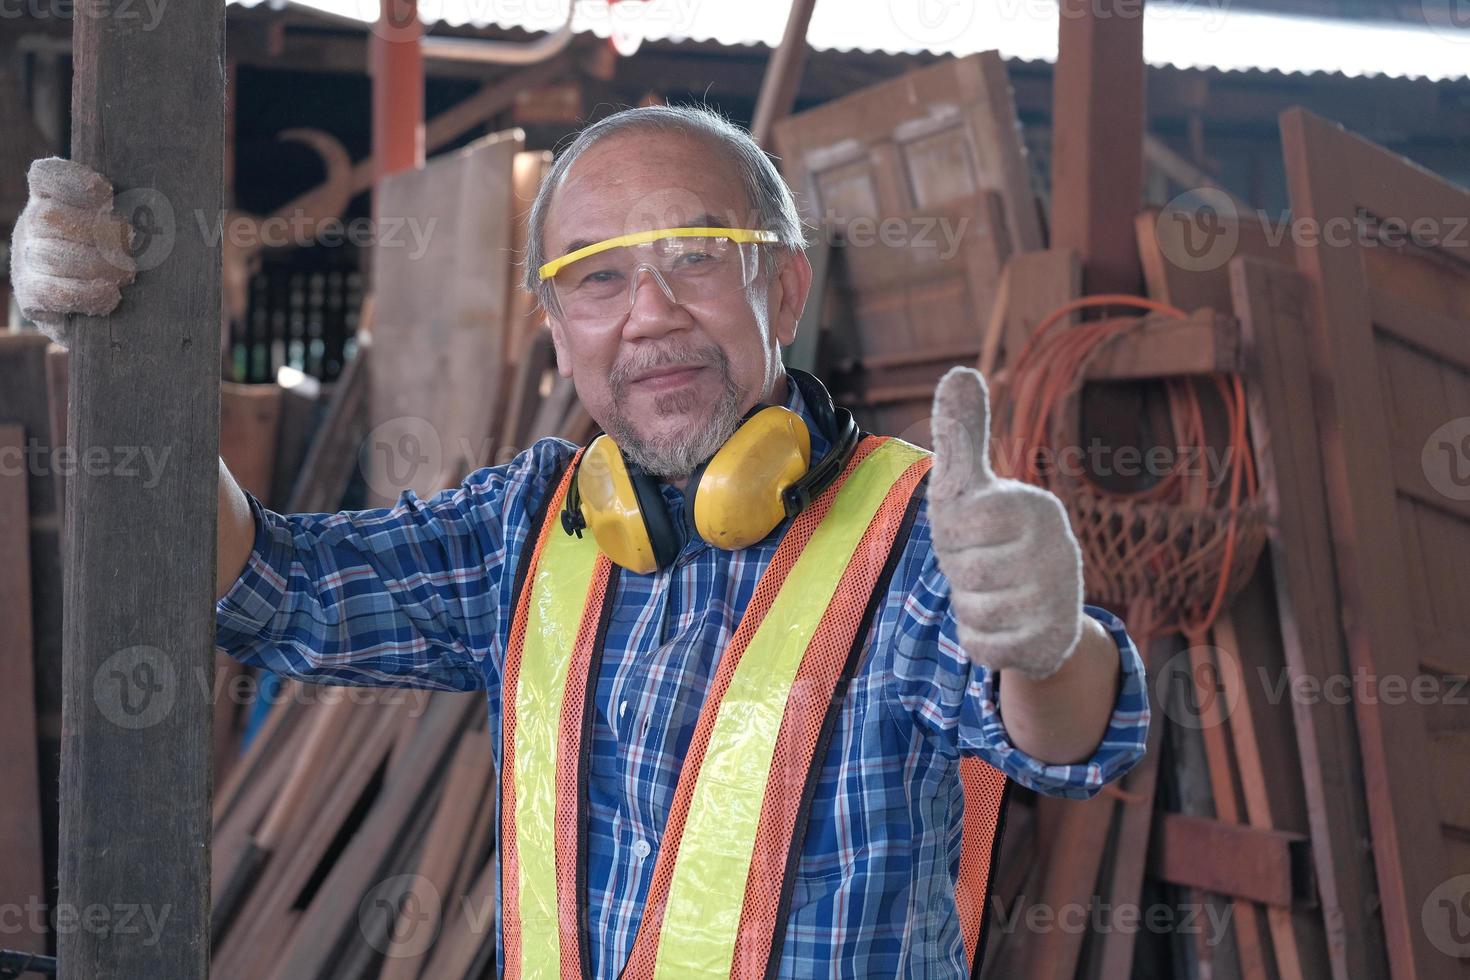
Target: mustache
(645, 359)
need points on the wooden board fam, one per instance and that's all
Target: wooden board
(439, 318)
(919, 142)
(147, 112)
(1186, 251)
(28, 400)
(20, 805)
(1382, 394)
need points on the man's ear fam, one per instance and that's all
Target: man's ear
(794, 281)
(559, 342)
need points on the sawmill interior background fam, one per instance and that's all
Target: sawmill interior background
(1144, 224)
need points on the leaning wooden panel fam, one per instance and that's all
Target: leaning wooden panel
(918, 142)
(439, 327)
(1352, 191)
(1273, 305)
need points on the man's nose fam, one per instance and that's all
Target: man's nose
(654, 311)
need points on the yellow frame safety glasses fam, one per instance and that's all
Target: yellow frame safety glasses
(740, 235)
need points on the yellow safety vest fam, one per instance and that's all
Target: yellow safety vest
(721, 889)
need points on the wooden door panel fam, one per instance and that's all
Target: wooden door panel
(1375, 398)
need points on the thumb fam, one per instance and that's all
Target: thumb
(960, 427)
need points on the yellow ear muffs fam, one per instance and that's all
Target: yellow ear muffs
(624, 510)
(737, 498)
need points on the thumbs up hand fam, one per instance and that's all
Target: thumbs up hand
(1014, 568)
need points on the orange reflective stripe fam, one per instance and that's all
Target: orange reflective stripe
(827, 662)
(510, 684)
(569, 777)
(644, 956)
(985, 797)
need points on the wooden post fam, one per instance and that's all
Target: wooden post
(397, 65)
(1097, 140)
(783, 73)
(139, 545)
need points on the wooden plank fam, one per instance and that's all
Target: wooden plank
(464, 798)
(1135, 822)
(333, 455)
(331, 918)
(1273, 303)
(1162, 346)
(1097, 141)
(28, 400)
(1077, 833)
(249, 416)
(21, 882)
(439, 318)
(1332, 176)
(147, 112)
(1186, 251)
(1260, 865)
(1037, 284)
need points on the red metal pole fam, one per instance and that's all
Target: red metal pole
(397, 67)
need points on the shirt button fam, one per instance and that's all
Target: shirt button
(642, 849)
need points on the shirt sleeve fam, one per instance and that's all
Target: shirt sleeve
(408, 596)
(955, 700)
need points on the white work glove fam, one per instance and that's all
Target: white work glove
(68, 252)
(1014, 568)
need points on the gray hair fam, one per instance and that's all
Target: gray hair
(769, 198)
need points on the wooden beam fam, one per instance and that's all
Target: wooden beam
(1205, 343)
(1097, 140)
(783, 73)
(147, 113)
(397, 66)
(1273, 867)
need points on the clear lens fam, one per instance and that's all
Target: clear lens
(601, 286)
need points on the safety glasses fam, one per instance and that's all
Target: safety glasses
(598, 283)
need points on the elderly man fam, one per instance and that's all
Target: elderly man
(734, 651)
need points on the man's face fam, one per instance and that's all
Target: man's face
(670, 382)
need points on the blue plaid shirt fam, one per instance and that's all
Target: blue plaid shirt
(420, 595)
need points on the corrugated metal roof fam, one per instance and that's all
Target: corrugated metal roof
(1202, 34)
